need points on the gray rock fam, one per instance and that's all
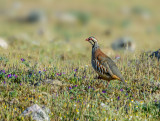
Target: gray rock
(3, 43)
(156, 54)
(37, 113)
(123, 43)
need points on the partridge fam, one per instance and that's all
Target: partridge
(103, 65)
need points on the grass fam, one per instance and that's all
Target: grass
(61, 54)
(78, 98)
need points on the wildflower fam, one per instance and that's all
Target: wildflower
(103, 91)
(130, 104)
(4, 82)
(70, 87)
(118, 98)
(44, 70)
(9, 75)
(77, 111)
(75, 85)
(20, 84)
(39, 71)
(3, 71)
(89, 87)
(75, 70)
(130, 117)
(88, 106)
(58, 74)
(141, 102)
(126, 94)
(132, 100)
(75, 105)
(121, 90)
(16, 76)
(22, 59)
(64, 73)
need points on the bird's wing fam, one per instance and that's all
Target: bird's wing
(111, 67)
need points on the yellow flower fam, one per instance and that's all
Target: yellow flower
(77, 111)
(130, 104)
(125, 80)
(132, 100)
(98, 94)
(65, 104)
(141, 102)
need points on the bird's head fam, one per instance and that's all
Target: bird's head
(92, 40)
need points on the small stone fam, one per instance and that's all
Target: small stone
(156, 54)
(37, 113)
(3, 43)
(124, 43)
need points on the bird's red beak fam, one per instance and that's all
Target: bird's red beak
(87, 39)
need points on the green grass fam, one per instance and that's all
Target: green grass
(80, 96)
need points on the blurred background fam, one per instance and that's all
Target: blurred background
(60, 27)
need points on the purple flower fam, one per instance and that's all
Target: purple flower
(64, 73)
(9, 75)
(58, 74)
(39, 71)
(3, 71)
(4, 82)
(44, 70)
(75, 85)
(126, 94)
(75, 70)
(70, 87)
(155, 101)
(103, 91)
(16, 76)
(20, 84)
(89, 87)
(118, 98)
(121, 90)
(22, 59)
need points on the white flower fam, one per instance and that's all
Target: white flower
(88, 106)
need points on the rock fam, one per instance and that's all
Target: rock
(35, 16)
(54, 82)
(65, 18)
(156, 54)
(37, 113)
(3, 43)
(123, 43)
